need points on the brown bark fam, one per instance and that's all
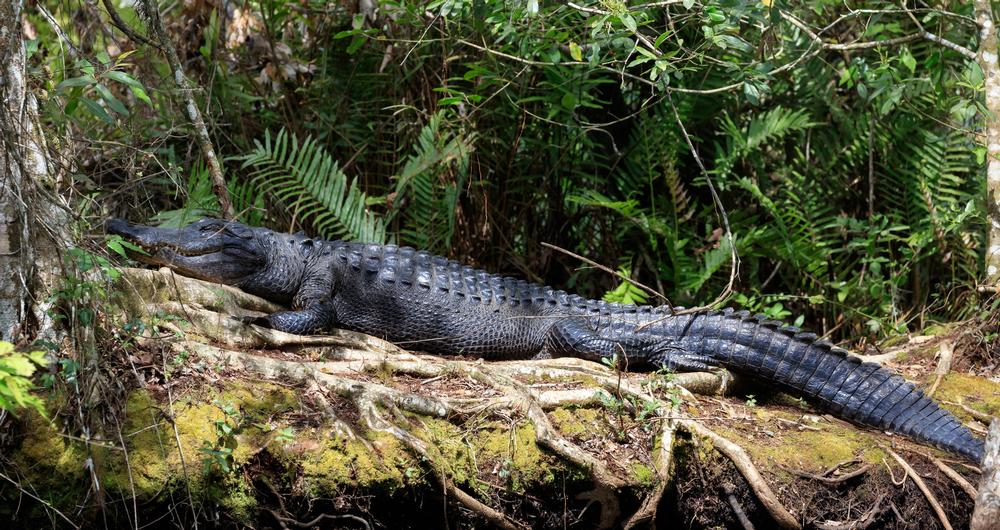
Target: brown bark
(987, 58)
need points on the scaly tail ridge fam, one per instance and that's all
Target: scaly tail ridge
(830, 377)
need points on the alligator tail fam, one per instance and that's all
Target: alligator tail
(860, 392)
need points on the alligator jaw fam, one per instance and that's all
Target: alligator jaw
(163, 243)
(217, 251)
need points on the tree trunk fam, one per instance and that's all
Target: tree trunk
(987, 512)
(33, 226)
(987, 58)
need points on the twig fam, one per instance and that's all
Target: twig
(866, 520)
(979, 415)
(892, 476)
(831, 480)
(194, 113)
(945, 351)
(317, 520)
(734, 503)
(734, 270)
(745, 466)
(116, 21)
(924, 489)
(42, 501)
(987, 511)
(73, 52)
(608, 270)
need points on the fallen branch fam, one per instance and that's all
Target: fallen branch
(924, 489)
(981, 416)
(152, 13)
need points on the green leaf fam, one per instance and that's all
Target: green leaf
(629, 22)
(663, 36)
(140, 93)
(85, 66)
(122, 77)
(111, 100)
(97, 110)
(83, 80)
(751, 92)
(688, 4)
(908, 61)
(568, 101)
(575, 51)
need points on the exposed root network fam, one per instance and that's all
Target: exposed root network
(345, 366)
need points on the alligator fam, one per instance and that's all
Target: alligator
(426, 302)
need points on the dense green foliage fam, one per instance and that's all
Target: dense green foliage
(479, 129)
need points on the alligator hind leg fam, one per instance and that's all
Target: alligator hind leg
(579, 338)
(678, 360)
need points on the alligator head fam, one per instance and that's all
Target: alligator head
(258, 260)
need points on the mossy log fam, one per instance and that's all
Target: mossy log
(232, 425)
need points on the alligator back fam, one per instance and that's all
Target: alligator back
(828, 376)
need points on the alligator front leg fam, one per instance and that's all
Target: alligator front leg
(310, 320)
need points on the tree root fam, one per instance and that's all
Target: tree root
(742, 461)
(966, 486)
(347, 354)
(367, 372)
(931, 499)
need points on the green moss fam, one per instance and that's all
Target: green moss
(51, 463)
(330, 465)
(977, 393)
(575, 422)
(809, 450)
(154, 460)
(451, 442)
(521, 461)
(643, 474)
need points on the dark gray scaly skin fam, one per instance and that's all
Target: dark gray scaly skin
(426, 302)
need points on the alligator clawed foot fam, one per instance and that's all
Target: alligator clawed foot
(250, 319)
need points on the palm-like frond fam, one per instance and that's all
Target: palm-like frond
(306, 180)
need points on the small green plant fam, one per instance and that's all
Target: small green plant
(751, 400)
(626, 292)
(16, 369)
(89, 89)
(219, 455)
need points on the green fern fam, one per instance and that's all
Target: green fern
(306, 180)
(429, 184)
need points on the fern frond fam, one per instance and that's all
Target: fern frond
(306, 180)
